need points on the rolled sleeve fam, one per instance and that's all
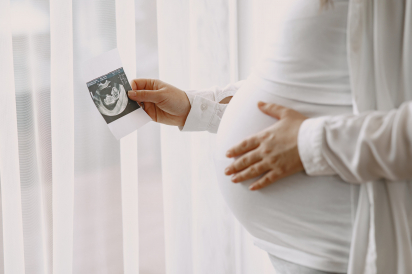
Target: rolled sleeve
(204, 115)
(310, 141)
(206, 112)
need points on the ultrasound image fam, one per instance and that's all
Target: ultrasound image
(109, 94)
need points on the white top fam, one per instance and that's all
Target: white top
(301, 219)
(293, 220)
(380, 65)
(308, 62)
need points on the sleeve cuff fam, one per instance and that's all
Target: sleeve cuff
(229, 90)
(190, 96)
(204, 115)
(310, 141)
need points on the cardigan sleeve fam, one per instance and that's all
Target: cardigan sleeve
(206, 112)
(359, 148)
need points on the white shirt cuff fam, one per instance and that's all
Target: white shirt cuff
(204, 114)
(310, 141)
(190, 96)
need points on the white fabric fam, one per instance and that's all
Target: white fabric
(308, 62)
(306, 246)
(385, 139)
(329, 152)
(215, 94)
(275, 218)
(194, 41)
(204, 115)
(206, 112)
(30, 158)
(380, 147)
(301, 219)
(66, 182)
(126, 43)
(309, 142)
(13, 248)
(378, 82)
(62, 126)
(285, 267)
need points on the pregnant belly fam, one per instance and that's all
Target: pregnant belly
(311, 215)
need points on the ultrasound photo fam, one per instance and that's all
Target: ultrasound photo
(109, 94)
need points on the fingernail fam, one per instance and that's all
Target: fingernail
(131, 93)
(252, 187)
(261, 104)
(228, 154)
(227, 171)
(234, 179)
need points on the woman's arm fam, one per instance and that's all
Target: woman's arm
(208, 106)
(191, 110)
(359, 148)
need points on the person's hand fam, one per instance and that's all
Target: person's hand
(273, 151)
(164, 103)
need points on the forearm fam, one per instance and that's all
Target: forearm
(208, 107)
(359, 148)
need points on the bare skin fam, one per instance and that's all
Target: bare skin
(273, 151)
(164, 103)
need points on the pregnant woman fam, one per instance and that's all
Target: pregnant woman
(305, 223)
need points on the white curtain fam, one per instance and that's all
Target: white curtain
(204, 43)
(68, 188)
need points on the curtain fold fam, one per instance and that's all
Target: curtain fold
(125, 30)
(13, 247)
(31, 55)
(199, 47)
(62, 124)
(60, 167)
(97, 216)
(173, 30)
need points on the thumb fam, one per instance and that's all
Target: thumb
(153, 96)
(276, 111)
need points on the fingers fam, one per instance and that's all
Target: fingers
(270, 178)
(243, 162)
(146, 90)
(153, 96)
(276, 111)
(266, 180)
(243, 147)
(148, 84)
(150, 109)
(251, 172)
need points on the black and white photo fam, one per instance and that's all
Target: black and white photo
(109, 94)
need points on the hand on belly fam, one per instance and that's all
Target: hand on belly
(273, 151)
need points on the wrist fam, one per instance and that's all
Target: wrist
(188, 99)
(310, 142)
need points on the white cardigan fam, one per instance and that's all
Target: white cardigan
(373, 146)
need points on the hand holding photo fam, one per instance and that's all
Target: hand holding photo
(108, 86)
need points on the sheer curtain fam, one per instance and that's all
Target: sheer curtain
(204, 43)
(69, 197)
(68, 188)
